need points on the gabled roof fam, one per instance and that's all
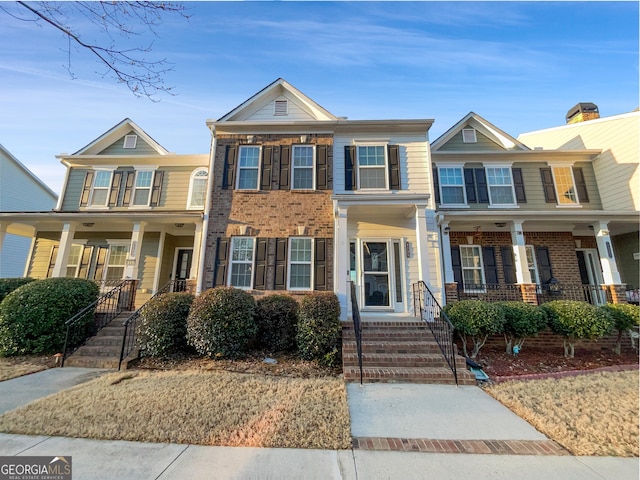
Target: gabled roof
(115, 133)
(483, 126)
(9, 156)
(271, 92)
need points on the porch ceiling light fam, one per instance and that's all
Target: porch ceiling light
(179, 225)
(88, 224)
(500, 224)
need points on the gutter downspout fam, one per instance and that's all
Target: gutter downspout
(206, 214)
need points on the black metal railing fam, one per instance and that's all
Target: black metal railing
(129, 336)
(432, 314)
(593, 294)
(490, 292)
(91, 319)
(357, 326)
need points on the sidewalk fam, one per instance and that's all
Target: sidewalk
(413, 414)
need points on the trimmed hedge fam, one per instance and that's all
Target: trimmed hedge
(8, 285)
(475, 319)
(277, 316)
(32, 318)
(521, 320)
(319, 328)
(624, 316)
(162, 328)
(221, 322)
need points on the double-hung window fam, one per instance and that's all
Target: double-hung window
(75, 255)
(116, 262)
(241, 262)
(248, 167)
(198, 188)
(472, 270)
(452, 190)
(500, 183)
(372, 167)
(101, 185)
(300, 263)
(142, 187)
(565, 185)
(303, 167)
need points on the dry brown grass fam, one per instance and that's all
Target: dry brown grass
(594, 414)
(12, 367)
(206, 408)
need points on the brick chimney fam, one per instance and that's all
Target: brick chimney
(582, 112)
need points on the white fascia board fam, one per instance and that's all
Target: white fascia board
(516, 156)
(200, 159)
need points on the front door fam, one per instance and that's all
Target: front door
(183, 269)
(591, 276)
(375, 272)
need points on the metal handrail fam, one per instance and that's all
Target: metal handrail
(436, 319)
(107, 306)
(357, 326)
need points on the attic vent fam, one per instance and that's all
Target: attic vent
(130, 141)
(281, 108)
(469, 135)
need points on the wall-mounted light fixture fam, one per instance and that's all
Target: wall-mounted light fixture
(179, 225)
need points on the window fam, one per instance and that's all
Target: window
(280, 108)
(248, 164)
(75, 255)
(500, 186)
(469, 135)
(144, 180)
(452, 190)
(130, 141)
(533, 267)
(472, 271)
(116, 263)
(198, 188)
(241, 271)
(101, 184)
(372, 166)
(565, 186)
(303, 168)
(300, 258)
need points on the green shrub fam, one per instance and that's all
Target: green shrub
(162, 327)
(521, 320)
(475, 319)
(276, 316)
(319, 328)
(8, 285)
(576, 320)
(625, 316)
(32, 318)
(221, 322)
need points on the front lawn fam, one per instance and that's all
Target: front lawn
(12, 367)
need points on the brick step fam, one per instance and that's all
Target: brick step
(110, 331)
(92, 362)
(421, 335)
(408, 375)
(105, 340)
(391, 347)
(395, 360)
(98, 351)
(385, 325)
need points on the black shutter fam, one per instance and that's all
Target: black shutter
(156, 191)
(222, 262)
(470, 185)
(544, 264)
(285, 167)
(481, 185)
(229, 174)
(86, 189)
(456, 265)
(85, 261)
(518, 185)
(548, 186)
(260, 278)
(52, 260)
(581, 185)
(436, 183)
(129, 178)
(101, 260)
(281, 264)
(115, 188)
(350, 179)
(508, 265)
(490, 265)
(320, 264)
(322, 168)
(267, 168)
(393, 152)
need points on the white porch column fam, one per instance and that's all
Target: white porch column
(446, 253)
(523, 275)
(610, 273)
(133, 258)
(3, 231)
(422, 244)
(195, 260)
(66, 239)
(341, 260)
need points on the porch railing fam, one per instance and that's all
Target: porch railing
(129, 336)
(497, 292)
(91, 319)
(432, 314)
(357, 326)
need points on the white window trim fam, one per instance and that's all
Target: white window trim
(231, 262)
(475, 136)
(313, 168)
(107, 264)
(77, 264)
(135, 187)
(385, 146)
(310, 263)
(130, 138)
(238, 167)
(464, 189)
(553, 166)
(508, 166)
(194, 176)
(110, 170)
(481, 267)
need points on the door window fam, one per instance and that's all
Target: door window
(375, 264)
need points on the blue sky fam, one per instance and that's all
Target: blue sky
(520, 65)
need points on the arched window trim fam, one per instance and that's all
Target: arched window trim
(196, 175)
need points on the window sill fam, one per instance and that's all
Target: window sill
(452, 205)
(96, 207)
(140, 207)
(569, 206)
(510, 206)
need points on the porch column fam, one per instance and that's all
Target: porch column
(195, 259)
(66, 239)
(445, 240)
(523, 275)
(422, 244)
(133, 258)
(610, 273)
(341, 256)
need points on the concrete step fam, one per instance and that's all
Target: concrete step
(110, 331)
(105, 340)
(408, 375)
(92, 362)
(98, 351)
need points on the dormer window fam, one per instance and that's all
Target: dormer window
(281, 108)
(130, 141)
(469, 135)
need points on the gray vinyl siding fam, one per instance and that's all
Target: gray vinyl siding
(625, 246)
(71, 200)
(483, 143)
(116, 148)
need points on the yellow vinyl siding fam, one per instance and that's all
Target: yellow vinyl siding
(148, 260)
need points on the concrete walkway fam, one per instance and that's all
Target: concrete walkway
(459, 414)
